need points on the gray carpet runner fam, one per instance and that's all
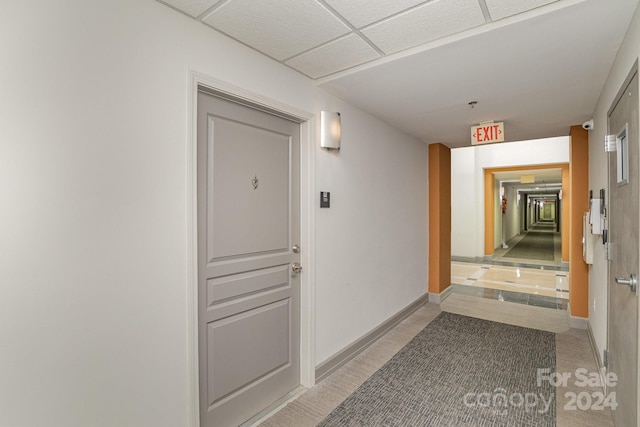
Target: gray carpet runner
(458, 371)
(535, 245)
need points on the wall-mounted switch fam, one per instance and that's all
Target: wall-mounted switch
(325, 199)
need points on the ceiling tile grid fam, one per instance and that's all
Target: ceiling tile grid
(320, 38)
(278, 28)
(365, 12)
(521, 60)
(499, 9)
(433, 20)
(338, 55)
(193, 8)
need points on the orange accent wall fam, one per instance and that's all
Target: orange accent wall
(579, 183)
(566, 212)
(489, 216)
(439, 218)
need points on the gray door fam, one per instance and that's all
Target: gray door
(248, 293)
(624, 240)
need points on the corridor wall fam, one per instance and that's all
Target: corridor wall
(467, 183)
(627, 55)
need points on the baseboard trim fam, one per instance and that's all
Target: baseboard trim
(439, 298)
(577, 322)
(476, 260)
(597, 356)
(594, 346)
(330, 365)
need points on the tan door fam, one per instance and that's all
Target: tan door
(624, 241)
(248, 293)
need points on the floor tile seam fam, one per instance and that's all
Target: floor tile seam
(463, 304)
(495, 282)
(527, 270)
(521, 294)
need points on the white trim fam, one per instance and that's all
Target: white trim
(193, 386)
(307, 227)
(439, 298)
(307, 253)
(602, 370)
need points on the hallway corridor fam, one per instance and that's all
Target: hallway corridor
(528, 271)
(540, 245)
(572, 352)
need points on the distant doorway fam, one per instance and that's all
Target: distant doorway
(524, 215)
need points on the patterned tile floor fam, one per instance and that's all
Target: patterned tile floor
(541, 286)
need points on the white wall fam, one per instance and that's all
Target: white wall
(377, 214)
(627, 55)
(466, 202)
(93, 209)
(513, 217)
(467, 184)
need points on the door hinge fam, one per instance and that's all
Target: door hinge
(608, 251)
(605, 358)
(610, 143)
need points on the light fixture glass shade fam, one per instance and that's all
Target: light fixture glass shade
(330, 130)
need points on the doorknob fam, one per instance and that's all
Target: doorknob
(632, 282)
(296, 267)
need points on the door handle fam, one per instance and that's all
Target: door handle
(632, 282)
(296, 267)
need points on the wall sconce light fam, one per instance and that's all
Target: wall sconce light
(330, 130)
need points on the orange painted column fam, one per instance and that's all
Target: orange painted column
(566, 212)
(439, 218)
(579, 196)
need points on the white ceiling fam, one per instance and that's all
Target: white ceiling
(537, 65)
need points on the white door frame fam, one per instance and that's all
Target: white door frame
(307, 225)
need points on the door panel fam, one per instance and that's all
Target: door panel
(237, 364)
(248, 297)
(246, 221)
(624, 207)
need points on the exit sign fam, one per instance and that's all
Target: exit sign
(487, 133)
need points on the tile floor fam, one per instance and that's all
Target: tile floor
(538, 282)
(509, 296)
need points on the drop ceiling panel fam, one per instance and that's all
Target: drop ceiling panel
(192, 7)
(537, 82)
(499, 9)
(339, 55)
(432, 21)
(278, 28)
(363, 12)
